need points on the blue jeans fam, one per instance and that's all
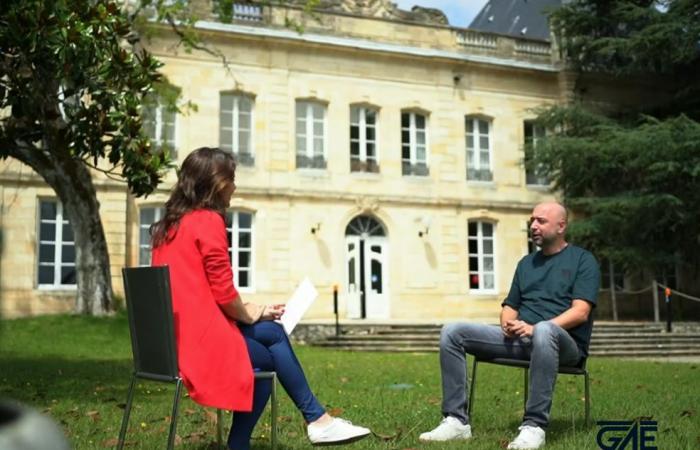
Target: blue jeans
(269, 349)
(549, 346)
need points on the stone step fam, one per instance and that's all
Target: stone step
(596, 338)
(362, 343)
(436, 330)
(612, 340)
(608, 339)
(641, 351)
(630, 345)
(647, 352)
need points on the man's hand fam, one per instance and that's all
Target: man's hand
(519, 328)
(505, 327)
(272, 312)
(508, 315)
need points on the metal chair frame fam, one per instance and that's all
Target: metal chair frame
(149, 309)
(580, 369)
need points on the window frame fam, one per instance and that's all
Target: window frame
(480, 272)
(309, 136)
(476, 147)
(234, 127)
(58, 244)
(158, 109)
(233, 229)
(531, 143)
(158, 213)
(362, 141)
(412, 143)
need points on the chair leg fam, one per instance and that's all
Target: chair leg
(587, 397)
(127, 412)
(219, 428)
(273, 412)
(173, 416)
(471, 389)
(526, 387)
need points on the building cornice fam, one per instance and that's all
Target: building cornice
(292, 195)
(371, 46)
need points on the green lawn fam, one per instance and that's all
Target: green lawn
(77, 369)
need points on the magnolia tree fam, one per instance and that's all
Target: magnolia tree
(74, 77)
(71, 89)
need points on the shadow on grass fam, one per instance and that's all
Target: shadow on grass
(40, 380)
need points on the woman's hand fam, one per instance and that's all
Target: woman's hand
(272, 312)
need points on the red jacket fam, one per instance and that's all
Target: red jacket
(212, 353)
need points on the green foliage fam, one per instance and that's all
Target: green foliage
(637, 37)
(632, 176)
(77, 369)
(635, 185)
(627, 36)
(74, 88)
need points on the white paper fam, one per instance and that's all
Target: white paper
(297, 305)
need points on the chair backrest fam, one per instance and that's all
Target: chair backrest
(150, 312)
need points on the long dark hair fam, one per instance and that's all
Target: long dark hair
(203, 176)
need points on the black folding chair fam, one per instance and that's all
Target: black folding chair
(149, 308)
(579, 369)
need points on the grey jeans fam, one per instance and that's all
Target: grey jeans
(549, 346)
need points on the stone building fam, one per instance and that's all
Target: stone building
(379, 151)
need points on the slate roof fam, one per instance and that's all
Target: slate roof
(521, 18)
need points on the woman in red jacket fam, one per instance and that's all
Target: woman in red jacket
(221, 339)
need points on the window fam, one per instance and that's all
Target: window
(56, 247)
(482, 268)
(310, 135)
(236, 127)
(247, 12)
(240, 240)
(159, 125)
(147, 217)
(414, 144)
(533, 135)
(478, 136)
(363, 139)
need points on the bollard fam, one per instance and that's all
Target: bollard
(667, 293)
(335, 309)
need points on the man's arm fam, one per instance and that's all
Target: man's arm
(509, 315)
(572, 317)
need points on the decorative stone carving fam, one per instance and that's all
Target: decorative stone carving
(366, 205)
(383, 9)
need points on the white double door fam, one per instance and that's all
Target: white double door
(367, 282)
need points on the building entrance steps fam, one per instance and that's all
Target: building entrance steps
(618, 339)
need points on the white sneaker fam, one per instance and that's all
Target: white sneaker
(450, 428)
(529, 438)
(339, 431)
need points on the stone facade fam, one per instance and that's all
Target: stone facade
(392, 65)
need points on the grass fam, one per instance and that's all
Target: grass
(77, 369)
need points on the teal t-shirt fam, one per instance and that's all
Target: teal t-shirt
(545, 286)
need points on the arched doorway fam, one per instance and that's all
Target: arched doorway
(366, 261)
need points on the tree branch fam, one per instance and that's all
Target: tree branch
(108, 173)
(196, 45)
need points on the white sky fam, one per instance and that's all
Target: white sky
(459, 12)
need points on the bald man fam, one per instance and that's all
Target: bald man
(546, 319)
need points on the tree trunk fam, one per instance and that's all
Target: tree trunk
(71, 180)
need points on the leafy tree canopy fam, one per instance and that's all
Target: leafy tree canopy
(74, 88)
(632, 174)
